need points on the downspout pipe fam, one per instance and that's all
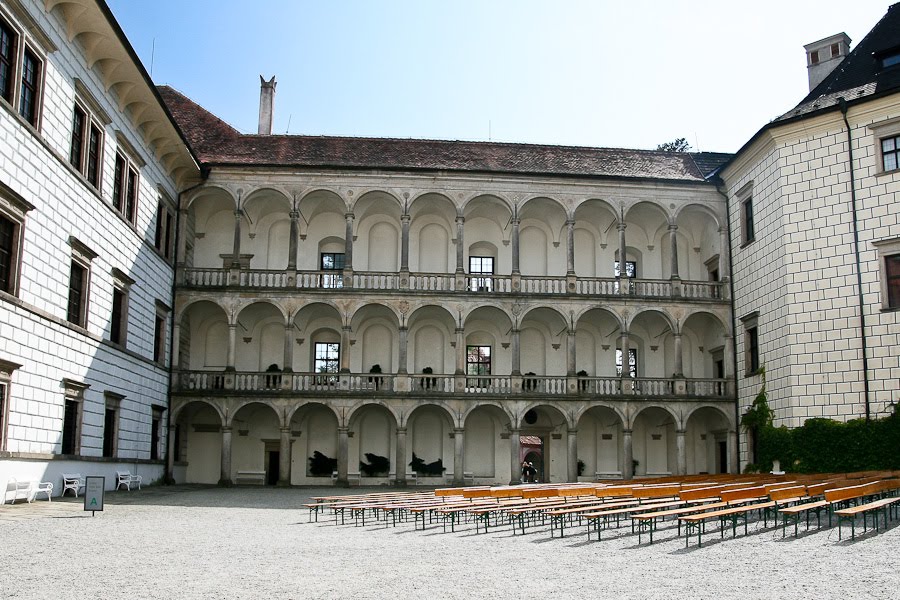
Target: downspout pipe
(734, 370)
(842, 103)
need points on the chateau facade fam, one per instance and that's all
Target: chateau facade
(207, 306)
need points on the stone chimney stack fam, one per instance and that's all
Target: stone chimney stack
(824, 56)
(266, 105)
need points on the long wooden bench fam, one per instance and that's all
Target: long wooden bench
(741, 502)
(860, 496)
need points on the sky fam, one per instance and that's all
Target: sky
(588, 73)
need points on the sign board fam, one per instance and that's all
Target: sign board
(94, 486)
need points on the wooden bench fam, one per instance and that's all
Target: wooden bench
(740, 502)
(127, 479)
(72, 481)
(251, 477)
(859, 496)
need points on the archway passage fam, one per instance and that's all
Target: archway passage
(532, 449)
(198, 443)
(706, 441)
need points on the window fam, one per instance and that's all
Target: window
(8, 43)
(484, 267)
(118, 321)
(111, 424)
(890, 150)
(6, 371)
(125, 188)
(29, 96)
(79, 279)
(72, 413)
(630, 268)
(814, 57)
(85, 153)
(632, 362)
(165, 229)
(889, 272)
(332, 261)
(751, 343)
(835, 50)
(159, 333)
(12, 218)
(478, 362)
(749, 227)
(327, 360)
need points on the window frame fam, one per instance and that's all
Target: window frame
(160, 332)
(28, 41)
(878, 133)
(744, 200)
(164, 234)
(122, 289)
(156, 430)
(81, 257)
(752, 346)
(126, 188)
(14, 209)
(473, 379)
(10, 62)
(480, 279)
(327, 361)
(6, 372)
(632, 363)
(332, 276)
(89, 162)
(74, 393)
(887, 250)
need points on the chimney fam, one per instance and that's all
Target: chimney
(823, 56)
(266, 104)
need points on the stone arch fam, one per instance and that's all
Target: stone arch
(654, 428)
(376, 326)
(601, 439)
(485, 453)
(643, 222)
(543, 340)
(428, 428)
(706, 434)
(322, 223)
(431, 329)
(374, 425)
(597, 330)
(198, 432)
(317, 423)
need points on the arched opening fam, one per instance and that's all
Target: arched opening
(429, 444)
(315, 449)
(198, 443)
(600, 443)
(706, 441)
(543, 432)
(654, 442)
(255, 442)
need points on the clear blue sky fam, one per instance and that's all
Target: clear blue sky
(616, 74)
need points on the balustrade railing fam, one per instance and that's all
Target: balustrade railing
(427, 383)
(446, 282)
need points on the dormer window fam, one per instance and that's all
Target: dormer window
(890, 60)
(814, 57)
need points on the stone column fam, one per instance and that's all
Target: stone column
(225, 473)
(404, 343)
(573, 456)
(515, 462)
(345, 349)
(460, 351)
(679, 356)
(570, 247)
(626, 363)
(181, 250)
(236, 257)
(348, 242)
(723, 254)
(673, 240)
(292, 243)
(288, 366)
(400, 458)
(680, 453)
(284, 458)
(570, 353)
(175, 359)
(516, 352)
(232, 341)
(458, 456)
(404, 242)
(515, 246)
(732, 452)
(728, 360)
(343, 456)
(624, 283)
(628, 455)
(460, 244)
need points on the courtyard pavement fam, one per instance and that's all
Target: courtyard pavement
(197, 542)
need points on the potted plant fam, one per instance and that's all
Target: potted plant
(428, 382)
(530, 382)
(582, 383)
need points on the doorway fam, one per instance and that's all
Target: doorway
(722, 456)
(273, 466)
(532, 451)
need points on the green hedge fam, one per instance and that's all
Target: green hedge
(826, 446)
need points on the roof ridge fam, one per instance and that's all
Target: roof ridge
(169, 88)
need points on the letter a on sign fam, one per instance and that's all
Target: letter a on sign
(94, 487)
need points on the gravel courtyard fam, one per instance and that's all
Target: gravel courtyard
(200, 542)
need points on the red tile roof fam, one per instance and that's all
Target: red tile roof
(217, 143)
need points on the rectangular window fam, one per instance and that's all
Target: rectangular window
(155, 425)
(109, 432)
(76, 151)
(4, 404)
(78, 280)
(29, 98)
(632, 362)
(125, 188)
(749, 227)
(70, 427)
(483, 266)
(165, 234)
(119, 318)
(478, 362)
(8, 253)
(159, 339)
(332, 261)
(92, 169)
(892, 276)
(890, 151)
(8, 43)
(630, 269)
(835, 50)
(327, 360)
(751, 344)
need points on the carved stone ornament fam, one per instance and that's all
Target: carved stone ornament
(403, 307)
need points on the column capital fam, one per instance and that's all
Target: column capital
(401, 430)
(573, 431)
(349, 215)
(621, 225)
(460, 220)
(226, 429)
(673, 227)
(627, 431)
(294, 215)
(285, 430)
(680, 431)
(459, 430)
(343, 430)
(405, 218)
